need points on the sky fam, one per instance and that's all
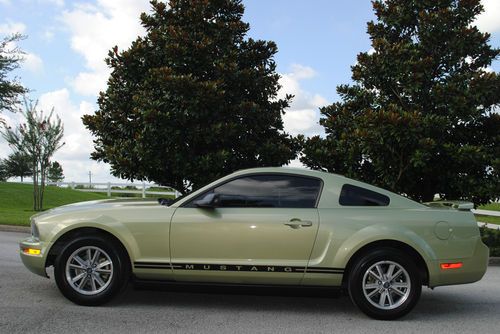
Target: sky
(67, 42)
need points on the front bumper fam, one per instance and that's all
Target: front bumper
(35, 263)
(472, 270)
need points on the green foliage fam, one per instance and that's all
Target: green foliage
(192, 100)
(55, 172)
(418, 118)
(38, 138)
(17, 164)
(3, 172)
(16, 205)
(9, 61)
(491, 238)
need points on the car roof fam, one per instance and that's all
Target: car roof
(290, 170)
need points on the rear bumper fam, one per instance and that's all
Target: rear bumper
(472, 270)
(35, 263)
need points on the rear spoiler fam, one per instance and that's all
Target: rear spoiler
(457, 205)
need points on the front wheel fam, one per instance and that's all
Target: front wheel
(385, 284)
(90, 270)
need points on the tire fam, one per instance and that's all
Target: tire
(93, 282)
(376, 293)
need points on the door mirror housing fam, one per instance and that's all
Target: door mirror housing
(210, 201)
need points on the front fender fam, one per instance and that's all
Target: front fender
(105, 223)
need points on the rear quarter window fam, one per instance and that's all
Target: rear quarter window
(351, 195)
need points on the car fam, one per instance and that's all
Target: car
(263, 226)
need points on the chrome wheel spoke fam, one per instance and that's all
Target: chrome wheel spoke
(389, 297)
(374, 275)
(371, 286)
(379, 271)
(92, 283)
(99, 279)
(401, 293)
(76, 266)
(83, 281)
(78, 277)
(399, 272)
(95, 257)
(80, 261)
(400, 285)
(390, 271)
(383, 296)
(373, 293)
(103, 264)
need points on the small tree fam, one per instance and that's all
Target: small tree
(419, 118)
(10, 58)
(55, 172)
(39, 138)
(18, 164)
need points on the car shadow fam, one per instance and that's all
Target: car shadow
(444, 305)
(235, 297)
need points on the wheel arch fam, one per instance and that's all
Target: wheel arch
(388, 243)
(65, 237)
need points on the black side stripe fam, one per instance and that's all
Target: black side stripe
(234, 267)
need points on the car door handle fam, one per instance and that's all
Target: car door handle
(297, 223)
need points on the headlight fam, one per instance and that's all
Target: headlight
(34, 231)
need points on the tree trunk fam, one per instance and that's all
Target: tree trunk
(35, 186)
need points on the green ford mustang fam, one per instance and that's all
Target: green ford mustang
(264, 226)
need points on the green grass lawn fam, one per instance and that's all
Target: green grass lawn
(491, 206)
(16, 201)
(488, 219)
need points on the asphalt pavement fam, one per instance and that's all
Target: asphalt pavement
(33, 304)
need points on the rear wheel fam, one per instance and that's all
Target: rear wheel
(91, 270)
(385, 284)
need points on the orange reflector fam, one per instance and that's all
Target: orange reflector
(451, 265)
(31, 251)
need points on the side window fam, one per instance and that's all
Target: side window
(268, 191)
(356, 196)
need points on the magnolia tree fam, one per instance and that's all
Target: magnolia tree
(39, 137)
(419, 117)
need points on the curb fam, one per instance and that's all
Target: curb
(493, 261)
(14, 228)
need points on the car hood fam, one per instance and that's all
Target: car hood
(94, 205)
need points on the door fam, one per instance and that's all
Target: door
(260, 231)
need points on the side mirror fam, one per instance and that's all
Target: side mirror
(165, 201)
(210, 201)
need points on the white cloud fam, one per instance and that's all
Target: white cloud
(300, 72)
(489, 20)
(95, 29)
(32, 62)
(74, 156)
(90, 83)
(303, 115)
(10, 28)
